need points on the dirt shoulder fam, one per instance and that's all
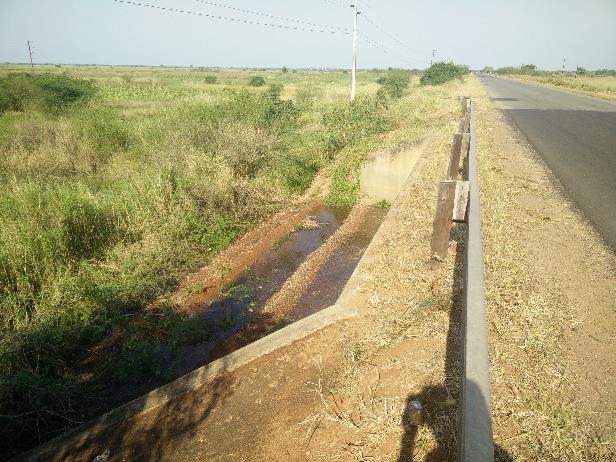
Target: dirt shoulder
(342, 393)
(551, 294)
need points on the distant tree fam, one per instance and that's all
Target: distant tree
(284, 69)
(440, 73)
(487, 70)
(528, 68)
(580, 70)
(256, 81)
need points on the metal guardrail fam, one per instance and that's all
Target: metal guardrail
(475, 437)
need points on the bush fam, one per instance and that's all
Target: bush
(439, 73)
(395, 82)
(266, 110)
(48, 92)
(347, 123)
(256, 81)
(211, 79)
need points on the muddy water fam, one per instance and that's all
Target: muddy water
(240, 303)
(327, 285)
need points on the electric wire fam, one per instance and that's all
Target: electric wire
(385, 49)
(267, 15)
(229, 18)
(389, 34)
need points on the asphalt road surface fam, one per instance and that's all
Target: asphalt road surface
(575, 135)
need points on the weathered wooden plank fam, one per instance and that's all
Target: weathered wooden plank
(466, 141)
(464, 124)
(441, 226)
(460, 201)
(464, 105)
(454, 158)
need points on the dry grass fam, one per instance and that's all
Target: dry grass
(536, 402)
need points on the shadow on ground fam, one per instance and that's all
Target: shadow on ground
(440, 401)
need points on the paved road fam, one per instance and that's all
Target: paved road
(576, 135)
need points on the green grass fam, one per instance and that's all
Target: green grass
(119, 181)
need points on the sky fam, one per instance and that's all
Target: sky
(396, 33)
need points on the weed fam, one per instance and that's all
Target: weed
(383, 204)
(279, 324)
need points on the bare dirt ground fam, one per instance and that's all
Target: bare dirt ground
(342, 393)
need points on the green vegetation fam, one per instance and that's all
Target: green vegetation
(395, 82)
(118, 183)
(610, 72)
(349, 124)
(256, 81)
(52, 94)
(525, 69)
(439, 73)
(210, 79)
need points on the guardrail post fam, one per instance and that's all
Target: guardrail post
(442, 221)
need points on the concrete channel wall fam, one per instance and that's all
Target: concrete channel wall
(384, 175)
(344, 308)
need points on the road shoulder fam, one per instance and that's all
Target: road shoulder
(551, 294)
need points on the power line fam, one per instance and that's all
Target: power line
(258, 13)
(228, 18)
(382, 30)
(389, 51)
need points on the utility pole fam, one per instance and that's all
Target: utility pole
(354, 69)
(563, 65)
(433, 53)
(30, 51)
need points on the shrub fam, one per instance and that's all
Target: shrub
(266, 110)
(348, 122)
(395, 82)
(256, 81)
(211, 79)
(440, 73)
(49, 92)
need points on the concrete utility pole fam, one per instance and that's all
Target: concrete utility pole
(563, 65)
(354, 69)
(433, 53)
(30, 51)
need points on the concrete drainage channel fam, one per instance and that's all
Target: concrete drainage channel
(335, 283)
